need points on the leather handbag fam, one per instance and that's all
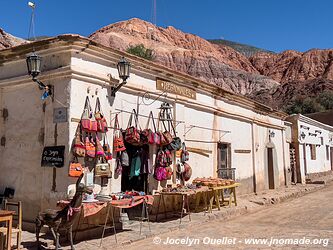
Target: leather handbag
(79, 149)
(118, 140)
(132, 134)
(88, 121)
(102, 125)
(90, 147)
(103, 168)
(75, 168)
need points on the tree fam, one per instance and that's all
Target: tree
(326, 99)
(141, 51)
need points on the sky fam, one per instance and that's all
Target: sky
(276, 25)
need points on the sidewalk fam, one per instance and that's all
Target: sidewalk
(246, 204)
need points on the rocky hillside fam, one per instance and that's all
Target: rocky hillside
(272, 78)
(300, 74)
(188, 53)
(8, 40)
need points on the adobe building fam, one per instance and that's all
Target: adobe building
(220, 129)
(313, 144)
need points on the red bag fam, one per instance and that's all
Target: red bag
(132, 134)
(88, 121)
(160, 174)
(90, 147)
(102, 125)
(118, 140)
(79, 148)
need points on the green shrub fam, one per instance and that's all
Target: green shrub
(141, 51)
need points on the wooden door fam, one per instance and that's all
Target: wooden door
(223, 160)
(270, 168)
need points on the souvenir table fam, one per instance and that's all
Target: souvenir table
(185, 194)
(94, 207)
(7, 216)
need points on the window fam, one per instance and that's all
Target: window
(327, 152)
(313, 151)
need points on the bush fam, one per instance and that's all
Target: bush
(308, 105)
(141, 51)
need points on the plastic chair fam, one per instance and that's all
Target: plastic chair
(17, 217)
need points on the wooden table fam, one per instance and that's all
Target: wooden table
(218, 191)
(185, 199)
(7, 216)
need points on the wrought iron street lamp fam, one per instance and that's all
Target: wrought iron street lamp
(124, 68)
(34, 69)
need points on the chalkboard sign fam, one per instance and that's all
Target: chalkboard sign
(53, 156)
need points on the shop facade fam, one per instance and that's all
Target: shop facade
(221, 130)
(313, 144)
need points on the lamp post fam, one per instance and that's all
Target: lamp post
(124, 68)
(34, 68)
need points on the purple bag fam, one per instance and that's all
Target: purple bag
(160, 173)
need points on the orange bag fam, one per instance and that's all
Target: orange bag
(75, 168)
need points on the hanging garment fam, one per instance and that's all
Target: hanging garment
(135, 166)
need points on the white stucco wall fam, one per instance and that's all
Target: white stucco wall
(79, 72)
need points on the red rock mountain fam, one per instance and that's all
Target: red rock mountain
(300, 74)
(8, 40)
(274, 79)
(188, 53)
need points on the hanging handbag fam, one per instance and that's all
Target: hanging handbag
(90, 147)
(160, 174)
(132, 134)
(99, 148)
(169, 173)
(118, 140)
(79, 148)
(124, 159)
(75, 168)
(176, 142)
(102, 168)
(106, 149)
(102, 125)
(88, 121)
(119, 167)
(147, 135)
(185, 156)
(187, 172)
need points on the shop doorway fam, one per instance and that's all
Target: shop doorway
(331, 157)
(270, 168)
(224, 169)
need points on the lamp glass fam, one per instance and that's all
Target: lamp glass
(33, 64)
(124, 68)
